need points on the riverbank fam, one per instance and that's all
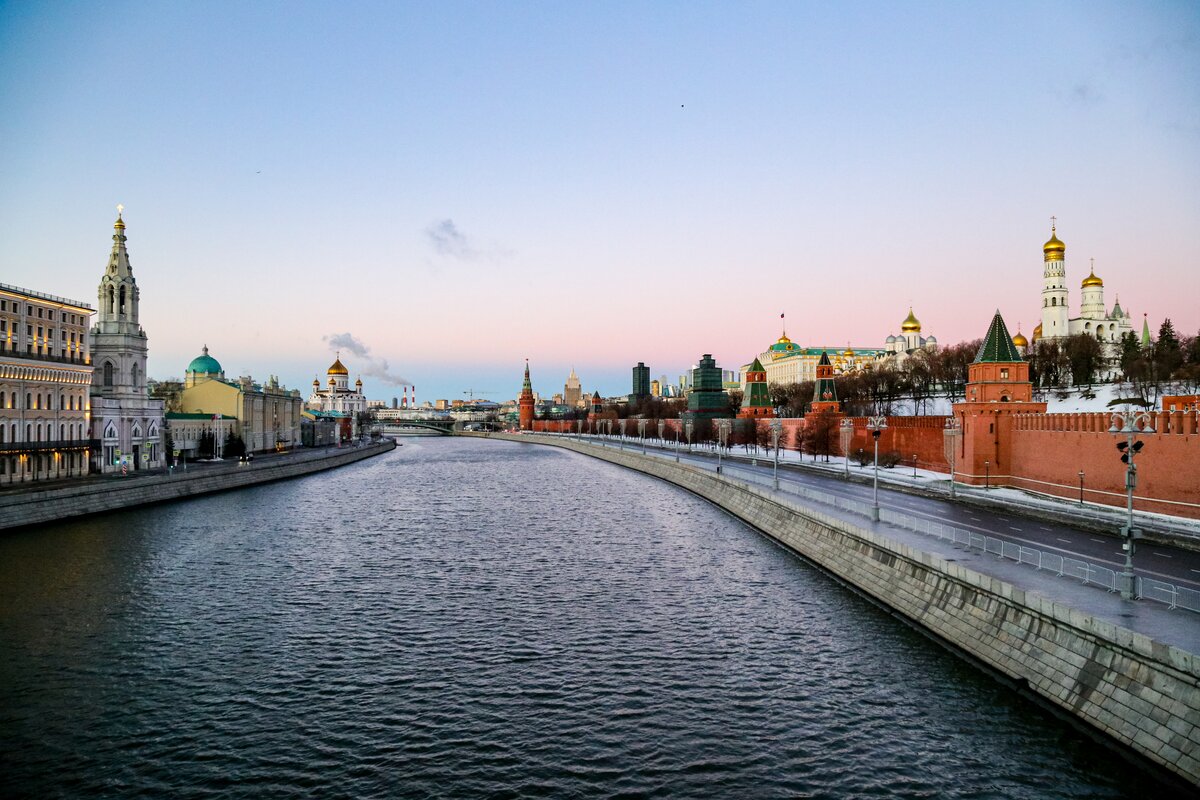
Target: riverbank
(111, 493)
(1139, 692)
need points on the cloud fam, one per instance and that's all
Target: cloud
(447, 240)
(370, 366)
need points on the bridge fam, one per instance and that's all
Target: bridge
(434, 427)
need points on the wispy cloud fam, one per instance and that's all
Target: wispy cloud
(447, 240)
(369, 365)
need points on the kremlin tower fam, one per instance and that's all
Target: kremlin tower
(526, 402)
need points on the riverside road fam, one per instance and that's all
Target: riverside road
(1172, 564)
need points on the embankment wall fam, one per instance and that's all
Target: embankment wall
(1142, 694)
(94, 497)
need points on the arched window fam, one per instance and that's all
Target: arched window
(28, 432)
(28, 400)
(122, 306)
(1, 399)
(108, 373)
(62, 431)
(135, 374)
(110, 300)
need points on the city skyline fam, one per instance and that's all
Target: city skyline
(461, 188)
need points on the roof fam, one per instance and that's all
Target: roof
(182, 416)
(756, 366)
(204, 363)
(998, 346)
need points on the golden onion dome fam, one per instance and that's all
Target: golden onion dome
(1054, 249)
(849, 353)
(784, 340)
(1037, 332)
(1092, 280)
(337, 369)
(1020, 341)
(911, 324)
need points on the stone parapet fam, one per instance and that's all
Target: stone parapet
(20, 509)
(1141, 693)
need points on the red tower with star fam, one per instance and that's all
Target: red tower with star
(526, 402)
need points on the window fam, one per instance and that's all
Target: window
(108, 373)
(110, 299)
(122, 306)
(135, 374)
(28, 400)
(1004, 374)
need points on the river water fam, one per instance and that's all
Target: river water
(467, 618)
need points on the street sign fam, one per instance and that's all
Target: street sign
(145, 457)
(176, 453)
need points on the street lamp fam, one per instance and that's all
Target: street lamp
(776, 429)
(621, 426)
(1131, 424)
(642, 434)
(579, 429)
(846, 432)
(722, 437)
(688, 427)
(1080, 487)
(678, 434)
(876, 425)
(662, 429)
(950, 436)
(987, 475)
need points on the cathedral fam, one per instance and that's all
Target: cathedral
(1094, 318)
(338, 397)
(125, 419)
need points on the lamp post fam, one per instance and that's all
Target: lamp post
(722, 437)
(621, 426)
(662, 429)
(642, 434)
(914, 465)
(846, 432)
(688, 427)
(987, 475)
(678, 435)
(950, 436)
(1080, 487)
(876, 425)
(776, 429)
(579, 429)
(1131, 424)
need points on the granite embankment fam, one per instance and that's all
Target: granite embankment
(33, 507)
(1142, 693)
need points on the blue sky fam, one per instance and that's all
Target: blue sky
(461, 186)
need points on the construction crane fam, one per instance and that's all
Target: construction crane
(470, 393)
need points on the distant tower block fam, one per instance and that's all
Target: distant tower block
(526, 402)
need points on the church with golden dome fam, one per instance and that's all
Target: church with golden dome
(336, 396)
(1094, 319)
(909, 341)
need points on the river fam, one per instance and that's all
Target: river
(471, 618)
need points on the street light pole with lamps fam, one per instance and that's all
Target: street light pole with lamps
(642, 434)
(846, 433)
(950, 436)
(776, 430)
(876, 425)
(722, 437)
(1132, 423)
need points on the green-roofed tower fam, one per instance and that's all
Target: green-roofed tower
(825, 390)
(998, 346)
(756, 402)
(1146, 340)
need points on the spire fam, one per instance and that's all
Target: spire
(1146, 340)
(998, 345)
(118, 260)
(526, 386)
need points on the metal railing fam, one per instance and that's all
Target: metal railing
(1059, 565)
(45, 447)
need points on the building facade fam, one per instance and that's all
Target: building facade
(267, 414)
(787, 362)
(573, 391)
(756, 400)
(45, 381)
(526, 402)
(707, 399)
(337, 395)
(126, 421)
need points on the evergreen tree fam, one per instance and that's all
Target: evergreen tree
(1168, 355)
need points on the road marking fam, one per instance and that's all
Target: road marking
(1013, 528)
(976, 519)
(1196, 571)
(1093, 538)
(1043, 527)
(1162, 555)
(1068, 541)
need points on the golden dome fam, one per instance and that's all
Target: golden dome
(849, 353)
(119, 224)
(1054, 249)
(911, 324)
(337, 369)
(1037, 332)
(784, 340)
(1020, 341)
(1092, 280)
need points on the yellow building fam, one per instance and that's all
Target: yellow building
(268, 415)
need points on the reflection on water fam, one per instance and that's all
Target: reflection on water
(479, 618)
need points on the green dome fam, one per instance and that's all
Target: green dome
(204, 363)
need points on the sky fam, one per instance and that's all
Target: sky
(442, 190)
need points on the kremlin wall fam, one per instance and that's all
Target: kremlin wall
(1007, 439)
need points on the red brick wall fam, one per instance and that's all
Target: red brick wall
(1049, 450)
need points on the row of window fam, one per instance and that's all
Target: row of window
(40, 433)
(42, 313)
(12, 465)
(37, 400)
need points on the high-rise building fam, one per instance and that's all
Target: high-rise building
(45, 375)
(126, 421)
(641, 383)
(707, 398)
(573, 391)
